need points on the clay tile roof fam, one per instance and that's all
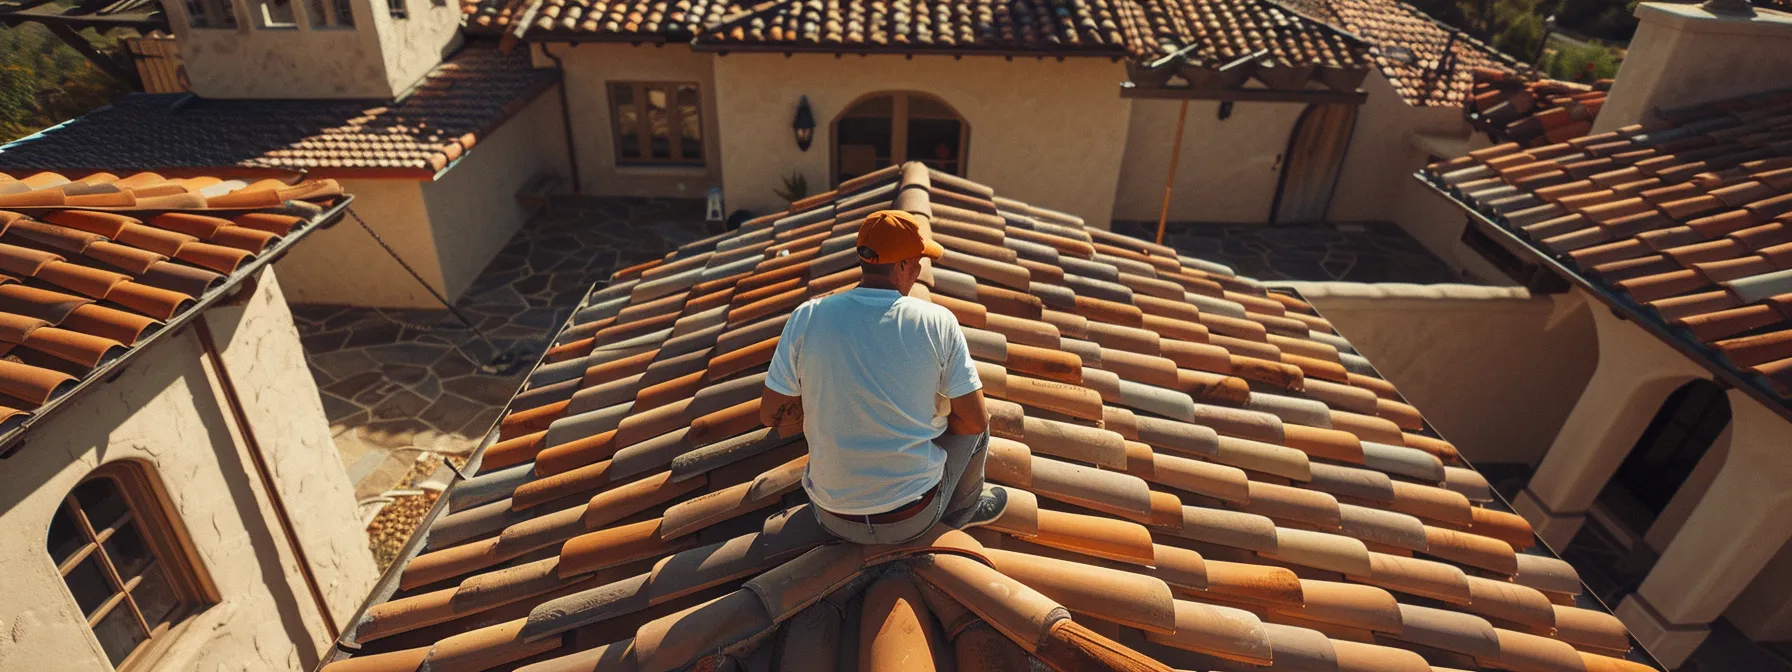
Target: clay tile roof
(1510, 107)
(1428, 62)
(1689, 217)
(918, 26)
(92, 267)
(465, 97)
(1182, 490)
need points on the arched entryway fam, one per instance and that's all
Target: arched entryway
(1668, 453)
(1679, 435)
(887, 128)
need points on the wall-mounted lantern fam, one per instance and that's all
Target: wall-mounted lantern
(804, 124)
(1225, 110)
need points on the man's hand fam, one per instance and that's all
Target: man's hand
(782, 412)
(968, 415)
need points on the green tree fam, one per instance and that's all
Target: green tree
(44, 82)
(1581, 63)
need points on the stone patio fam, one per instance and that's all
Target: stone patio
(400, 384)
(1371, 252)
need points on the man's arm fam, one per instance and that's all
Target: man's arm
(785, 412)
(968, 415)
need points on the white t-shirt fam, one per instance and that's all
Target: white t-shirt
(870, 366)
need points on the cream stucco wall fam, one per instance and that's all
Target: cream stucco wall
(343, 266)
(379, 57)
(1494, 370)
(1383, 153)
(473, 209)
(587, 70)
(1683, 55)
(1228, 169)
(1047, 132)
(165, 411)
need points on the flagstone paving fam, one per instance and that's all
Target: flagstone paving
(399, 384)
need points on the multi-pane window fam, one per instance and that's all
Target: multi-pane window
(892, 128)
(120, 562)
(211, 14)
(398, 9)
(657, 123)
(274, 14)
(330, 14)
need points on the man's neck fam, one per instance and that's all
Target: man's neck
(878, 282)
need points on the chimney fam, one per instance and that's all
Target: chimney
(1685, 54)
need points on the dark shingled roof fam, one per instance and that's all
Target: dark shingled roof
(470, 94)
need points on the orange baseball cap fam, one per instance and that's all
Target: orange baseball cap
(889, 236)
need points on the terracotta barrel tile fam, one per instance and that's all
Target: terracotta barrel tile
(673, 641)
(1432, 503)
(1588, 629)
(1100, 537)
(1530, 653)
(1203, 478)
(1472, 550)
(1414, 576)
(1358, 483)
(1507, 527)
(1122, 597)
(1359, 657)
(1017, 611)
(1106, 491)
(1227, 528)
(1229, 633)
(1511, 602)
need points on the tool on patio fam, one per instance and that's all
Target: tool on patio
(504, 361)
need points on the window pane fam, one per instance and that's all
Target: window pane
(65, 536)
(128, 551)
(864, 145)
(934, 142)
(101, 501)
(89, 584)
(691, 123)
(119, 634)
(628, 123)
(659, 124)
(155, 596)
(881, 106)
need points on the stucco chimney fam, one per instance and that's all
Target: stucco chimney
(1684, 55)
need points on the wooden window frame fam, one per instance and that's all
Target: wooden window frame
(899, 118)
(644, 128)
(170, 548)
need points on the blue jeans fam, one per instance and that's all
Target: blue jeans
(961, 481)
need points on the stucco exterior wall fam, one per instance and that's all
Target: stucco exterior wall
(411, 46)
(1383, 155)
(1042, 131)
(1228, 169)
(587, 70)
(1683, 55)
(473, 210)
(1494, 370)
(343, 266)
(165, 411)
(379, 57)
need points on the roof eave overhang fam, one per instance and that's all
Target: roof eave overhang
(1108, 52)
(1305, 96)
(15, 436)
(1624, 307)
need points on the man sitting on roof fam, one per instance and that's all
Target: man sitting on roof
(883, 388)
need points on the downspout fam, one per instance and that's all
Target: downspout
(572, 157)
(258, 460)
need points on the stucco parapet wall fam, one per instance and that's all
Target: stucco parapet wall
(1695, 19)
(1401, 290)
